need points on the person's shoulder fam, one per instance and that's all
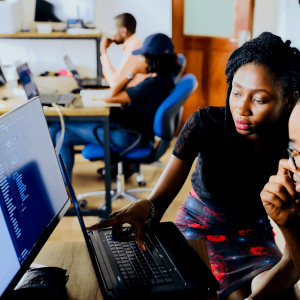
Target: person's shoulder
(212, 113)
(210, 117)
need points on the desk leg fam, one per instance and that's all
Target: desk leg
(107, 167)
(99, 66)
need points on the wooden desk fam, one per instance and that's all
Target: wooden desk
(60, 35)
(73, 113)
(74, 257)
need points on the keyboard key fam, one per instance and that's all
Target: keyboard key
(130, 272)
(122, 269)
(129, 269)
(129, 285)
(162, 268)
(123, 273)
(132, 276)
(152, 281)
(127, 281)
(161, 281)
(158, 276)
(156, 272)
(164, 271)
(125, 277)
(166, 275)
(169, 280)
(154, 268)
(127, 265)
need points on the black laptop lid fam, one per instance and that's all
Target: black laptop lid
(2, 77)
(33, 196)
(27, 81)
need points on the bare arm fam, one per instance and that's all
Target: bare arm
(169, 184)
(117, 93)
(137, 213)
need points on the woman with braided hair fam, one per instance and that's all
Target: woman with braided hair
(238, 148)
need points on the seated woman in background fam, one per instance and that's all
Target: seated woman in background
(238, 148)
(140, 102)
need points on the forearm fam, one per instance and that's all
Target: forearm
(108, 70)
(119, 86)
(281, 277)
(291, 235)
(169, 185)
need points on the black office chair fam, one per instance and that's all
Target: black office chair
(166, 122)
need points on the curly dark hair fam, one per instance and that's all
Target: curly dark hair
(165, 64)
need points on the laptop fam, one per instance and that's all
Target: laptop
(33, 197)
(169, 268)
(31, 89)
(85, 82)
(2, 77)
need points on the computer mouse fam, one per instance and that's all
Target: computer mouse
(76, 91)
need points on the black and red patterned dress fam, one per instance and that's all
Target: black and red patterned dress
(224, 206)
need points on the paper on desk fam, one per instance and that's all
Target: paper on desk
(94, 98)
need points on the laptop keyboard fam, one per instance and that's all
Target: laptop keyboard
(139, 268)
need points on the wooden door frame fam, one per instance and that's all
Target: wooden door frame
(208, 48)
(243, 20)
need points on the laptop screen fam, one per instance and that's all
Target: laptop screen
(72, 69)
(27, 81)
(2, 78)
(32, 190)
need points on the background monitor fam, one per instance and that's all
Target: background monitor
(63, 10)
(33, 196)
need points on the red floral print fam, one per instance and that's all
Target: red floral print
(219, 269)
(259, 250)
(248, 232)
(195, 225)
(216, 238)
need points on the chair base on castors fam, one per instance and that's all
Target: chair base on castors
(120, 192)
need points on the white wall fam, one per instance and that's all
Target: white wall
(152, 17)
(288, 22)
(265, 17)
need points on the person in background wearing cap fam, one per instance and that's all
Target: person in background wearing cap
(159, 62)
(123, 32)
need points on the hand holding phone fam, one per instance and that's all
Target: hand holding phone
(280, 196)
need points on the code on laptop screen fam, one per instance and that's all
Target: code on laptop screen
(32, 190)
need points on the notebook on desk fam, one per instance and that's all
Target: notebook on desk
(95, 98)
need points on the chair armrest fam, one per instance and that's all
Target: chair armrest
(136, 142)
(120, 154)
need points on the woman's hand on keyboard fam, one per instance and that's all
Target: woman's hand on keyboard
(136, 214)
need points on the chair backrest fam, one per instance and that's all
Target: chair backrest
(165, 116)
(168, 115)
(182, 63)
